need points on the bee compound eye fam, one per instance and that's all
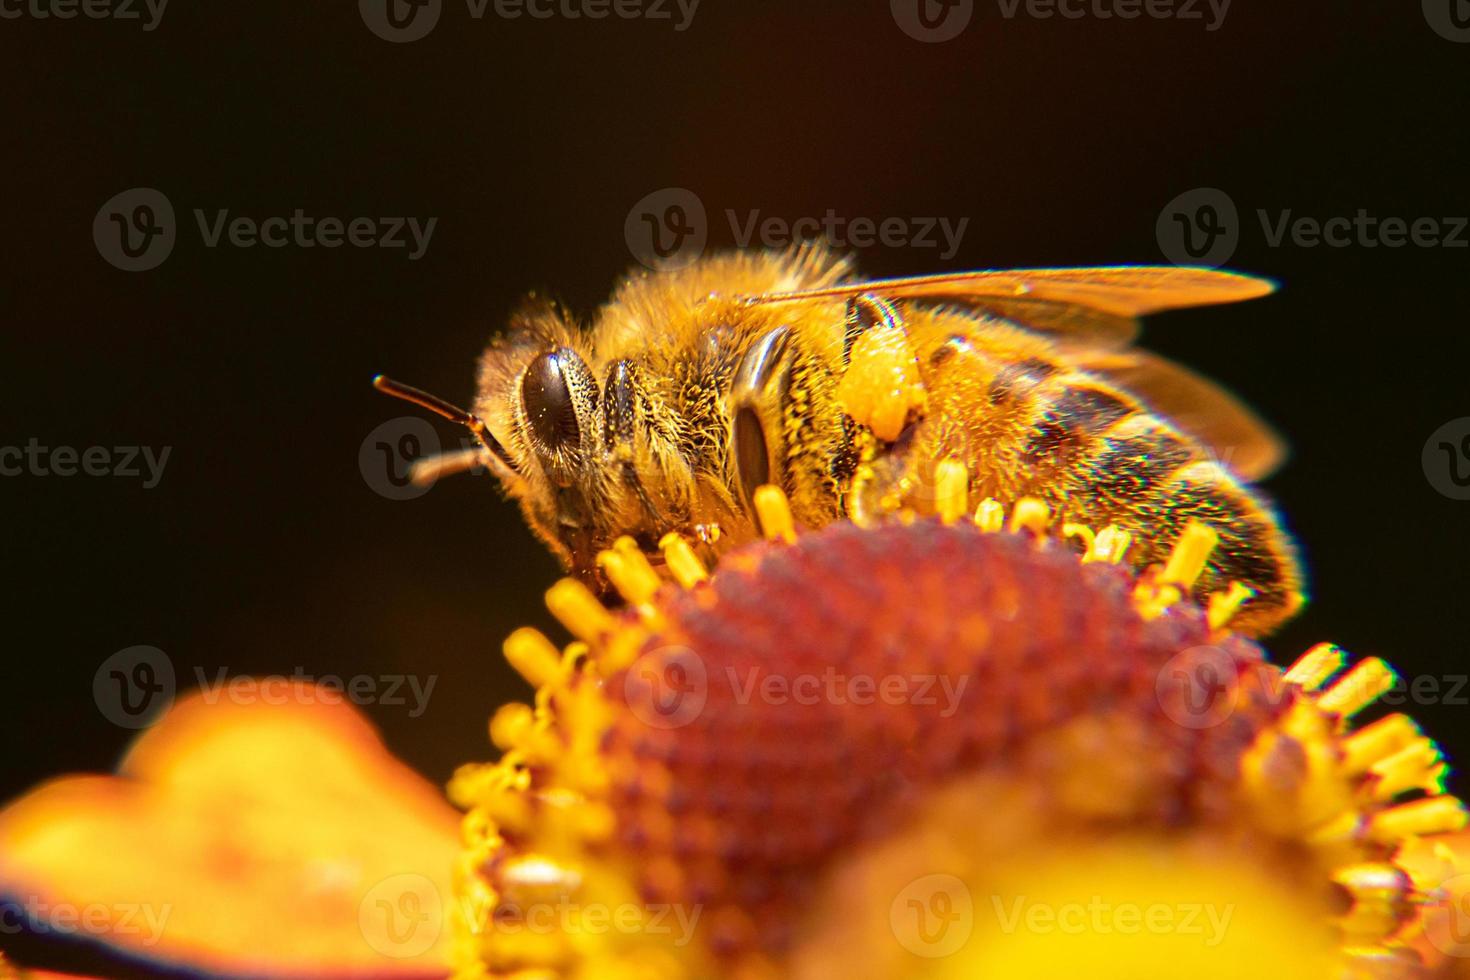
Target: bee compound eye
(557, 391)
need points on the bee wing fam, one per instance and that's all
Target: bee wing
(1200, 407)
(1086, 307)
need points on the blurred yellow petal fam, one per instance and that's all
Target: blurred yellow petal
(270, 839)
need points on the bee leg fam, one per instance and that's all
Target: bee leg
(879, 484)
(882, 386)
(756, 393)
(619, 421)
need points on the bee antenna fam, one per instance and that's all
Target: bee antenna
(444, 409)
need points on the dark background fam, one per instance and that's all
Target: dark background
(263, 549)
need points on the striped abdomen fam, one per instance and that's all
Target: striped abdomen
(1098, 456)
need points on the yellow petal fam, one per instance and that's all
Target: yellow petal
(275, 839)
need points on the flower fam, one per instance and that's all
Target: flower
(949, 747)
(842, 723)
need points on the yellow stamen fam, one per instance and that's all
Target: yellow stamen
(990, 516)
(1153, 600)
(533, 656)
(1433, 815)
(951, 488)
(1081, 532)
(1363, 685)
(681, 561)
(1032, 514)
(1417, 765)
(1379, 891)
(1111, 544)
(774, 513)
(1191, 552)
(629, 571)
(1313, 668)
(574, 605)
(509, 725)
(622, 649)
(1224, 605)
(1377, 741)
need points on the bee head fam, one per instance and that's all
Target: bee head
(540, 399)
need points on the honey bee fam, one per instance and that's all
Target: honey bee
(694, 387)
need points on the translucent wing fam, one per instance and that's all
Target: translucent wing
(1087, 307)
(1200, 407)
